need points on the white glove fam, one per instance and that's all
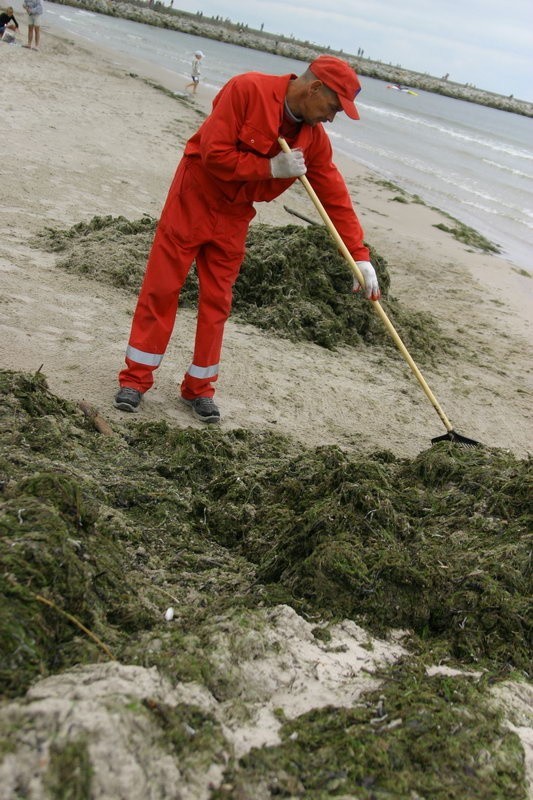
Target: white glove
(372, 290)
(288, 165)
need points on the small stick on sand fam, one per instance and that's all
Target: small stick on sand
(76, 622)
(300, 216)
(95, 419)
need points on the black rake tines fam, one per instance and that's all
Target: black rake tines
(453, 436)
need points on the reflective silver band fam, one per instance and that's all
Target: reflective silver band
(149, 359)
(203, 372)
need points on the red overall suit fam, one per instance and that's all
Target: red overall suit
(225, 169)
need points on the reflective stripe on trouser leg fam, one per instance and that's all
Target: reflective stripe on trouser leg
(140, 368)
(203, 372)
(148, 359)
(217, 264)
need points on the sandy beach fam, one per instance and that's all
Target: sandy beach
(88, 135)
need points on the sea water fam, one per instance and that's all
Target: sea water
(473, 162)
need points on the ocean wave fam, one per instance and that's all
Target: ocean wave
(428, 180)
(506, 168)
(412, 119)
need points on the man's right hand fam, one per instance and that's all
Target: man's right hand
(288, 165)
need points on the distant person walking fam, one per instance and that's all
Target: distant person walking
(195, 71)
(34, 9)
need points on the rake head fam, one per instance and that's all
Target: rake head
(457, 438)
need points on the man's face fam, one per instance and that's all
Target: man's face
(320, 105)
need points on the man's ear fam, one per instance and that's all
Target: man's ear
(315, 86)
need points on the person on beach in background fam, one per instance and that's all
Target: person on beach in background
(34, 9)
(195, 71)
(8, 21)
(232, 161)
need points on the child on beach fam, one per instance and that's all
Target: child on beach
(34, 9)
(195, 71)
(8, 23)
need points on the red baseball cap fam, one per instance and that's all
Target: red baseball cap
(338, 76)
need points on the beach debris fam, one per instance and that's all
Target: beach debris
(96, 420)
(420, 544)
(301, 216)
(293, 282)
(169, 614)
(467, 235)
(233, 523)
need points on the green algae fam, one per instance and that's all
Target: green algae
(221, 524)
(52, 545)
(439, 544)
(420, 736)
(467, 235)
(407, 544)
(110, 249)
(459, 230)
(69, 772)
(47, 552)
(292, 282)
(189, 731)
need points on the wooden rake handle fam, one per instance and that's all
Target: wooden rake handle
(378, 308)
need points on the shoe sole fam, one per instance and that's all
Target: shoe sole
(207, 420)
(126, 407)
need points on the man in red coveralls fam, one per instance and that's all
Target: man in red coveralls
(233, 161)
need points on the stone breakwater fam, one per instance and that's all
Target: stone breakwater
(226, 31)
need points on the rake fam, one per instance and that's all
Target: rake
(450, 435)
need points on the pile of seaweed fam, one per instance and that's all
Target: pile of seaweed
(440, 544)
(99, 533)
(434, 739)
(293, 281)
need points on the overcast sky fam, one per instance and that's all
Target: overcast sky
(488, 43)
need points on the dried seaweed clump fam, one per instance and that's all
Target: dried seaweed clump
(440, 544)
(293, 282)
(110, 249)
(107, 528)
(110, 530)
(417, 736)
(61, 553)
(90, 528)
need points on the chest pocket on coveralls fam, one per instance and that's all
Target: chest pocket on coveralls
(252, 139)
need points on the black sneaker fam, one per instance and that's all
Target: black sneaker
(203, 408)
(128, 399)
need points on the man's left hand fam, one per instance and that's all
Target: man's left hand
(371, 290)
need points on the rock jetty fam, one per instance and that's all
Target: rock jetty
(225, 30)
